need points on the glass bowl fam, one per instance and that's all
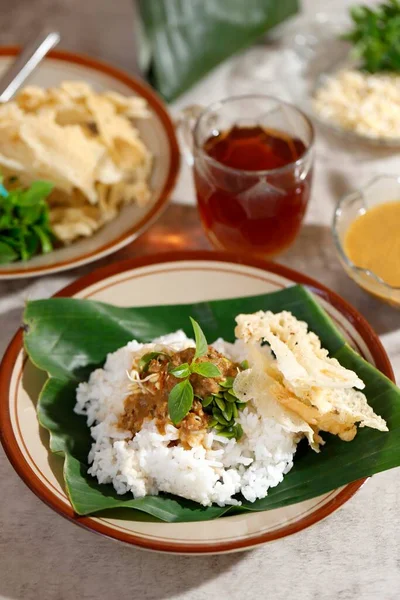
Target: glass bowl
(382, 188)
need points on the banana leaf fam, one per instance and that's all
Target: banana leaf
(69, 338)
(179, 41)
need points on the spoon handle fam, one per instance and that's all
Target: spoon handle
(26, 62)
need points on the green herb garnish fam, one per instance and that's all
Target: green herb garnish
(181, 396)
(24, 222)
(205, 369)
(224, 408)
(180, 400)
(376, 36)
(181, 371)
(201, 342)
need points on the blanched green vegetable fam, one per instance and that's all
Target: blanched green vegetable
(24, 222)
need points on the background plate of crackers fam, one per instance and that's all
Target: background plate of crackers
(156, 131)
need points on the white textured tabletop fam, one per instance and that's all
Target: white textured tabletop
(352, 555)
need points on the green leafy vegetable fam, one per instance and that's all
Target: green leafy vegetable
(376, 36)
(223, 415)
(60, 330)
(180, 401)
(227, 383)
(230, 396)
(201, 342)
(220, 403)
(181, 371)
(206, 369)
(24, 222)
(207, 401)
(224, 408)
(185, 370)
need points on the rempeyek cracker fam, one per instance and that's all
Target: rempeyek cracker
(296, 381)
(86, 144)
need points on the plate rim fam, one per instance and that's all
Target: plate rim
(25, 472)
(159, 107)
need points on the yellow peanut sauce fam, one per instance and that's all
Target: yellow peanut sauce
(373, 242)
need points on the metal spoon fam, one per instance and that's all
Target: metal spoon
(26, 62)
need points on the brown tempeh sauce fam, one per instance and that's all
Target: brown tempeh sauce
(150, 400)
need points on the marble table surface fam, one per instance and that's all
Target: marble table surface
(352, 555)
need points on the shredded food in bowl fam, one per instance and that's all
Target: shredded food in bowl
(366, 104)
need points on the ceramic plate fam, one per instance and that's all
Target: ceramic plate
(158, 134)
(186, 277)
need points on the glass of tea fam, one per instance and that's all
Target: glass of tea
(253, 162)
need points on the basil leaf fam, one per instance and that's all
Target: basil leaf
(180, 401)
(180, 371)
(147, 358)
(201, 342)
(206, 369)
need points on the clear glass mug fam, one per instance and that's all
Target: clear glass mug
(256, 212)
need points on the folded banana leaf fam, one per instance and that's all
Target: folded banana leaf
(179, 41)
(69, 338)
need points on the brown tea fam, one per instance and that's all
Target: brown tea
(252, 213)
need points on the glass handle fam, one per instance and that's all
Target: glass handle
(185, 123)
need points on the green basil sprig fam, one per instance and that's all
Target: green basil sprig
(376, 36)
(24, 222)
(180, 399)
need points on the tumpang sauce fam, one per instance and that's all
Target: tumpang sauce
(372, 242)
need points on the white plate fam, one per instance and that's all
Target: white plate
(183, 278)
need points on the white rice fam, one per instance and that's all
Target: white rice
(145, 465)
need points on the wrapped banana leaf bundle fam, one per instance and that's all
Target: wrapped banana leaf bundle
(180, 41)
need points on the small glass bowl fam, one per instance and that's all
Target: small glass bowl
(383, 188)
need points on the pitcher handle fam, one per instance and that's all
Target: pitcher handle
(185, 123)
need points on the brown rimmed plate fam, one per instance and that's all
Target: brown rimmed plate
(158, 134)
(170, 278)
